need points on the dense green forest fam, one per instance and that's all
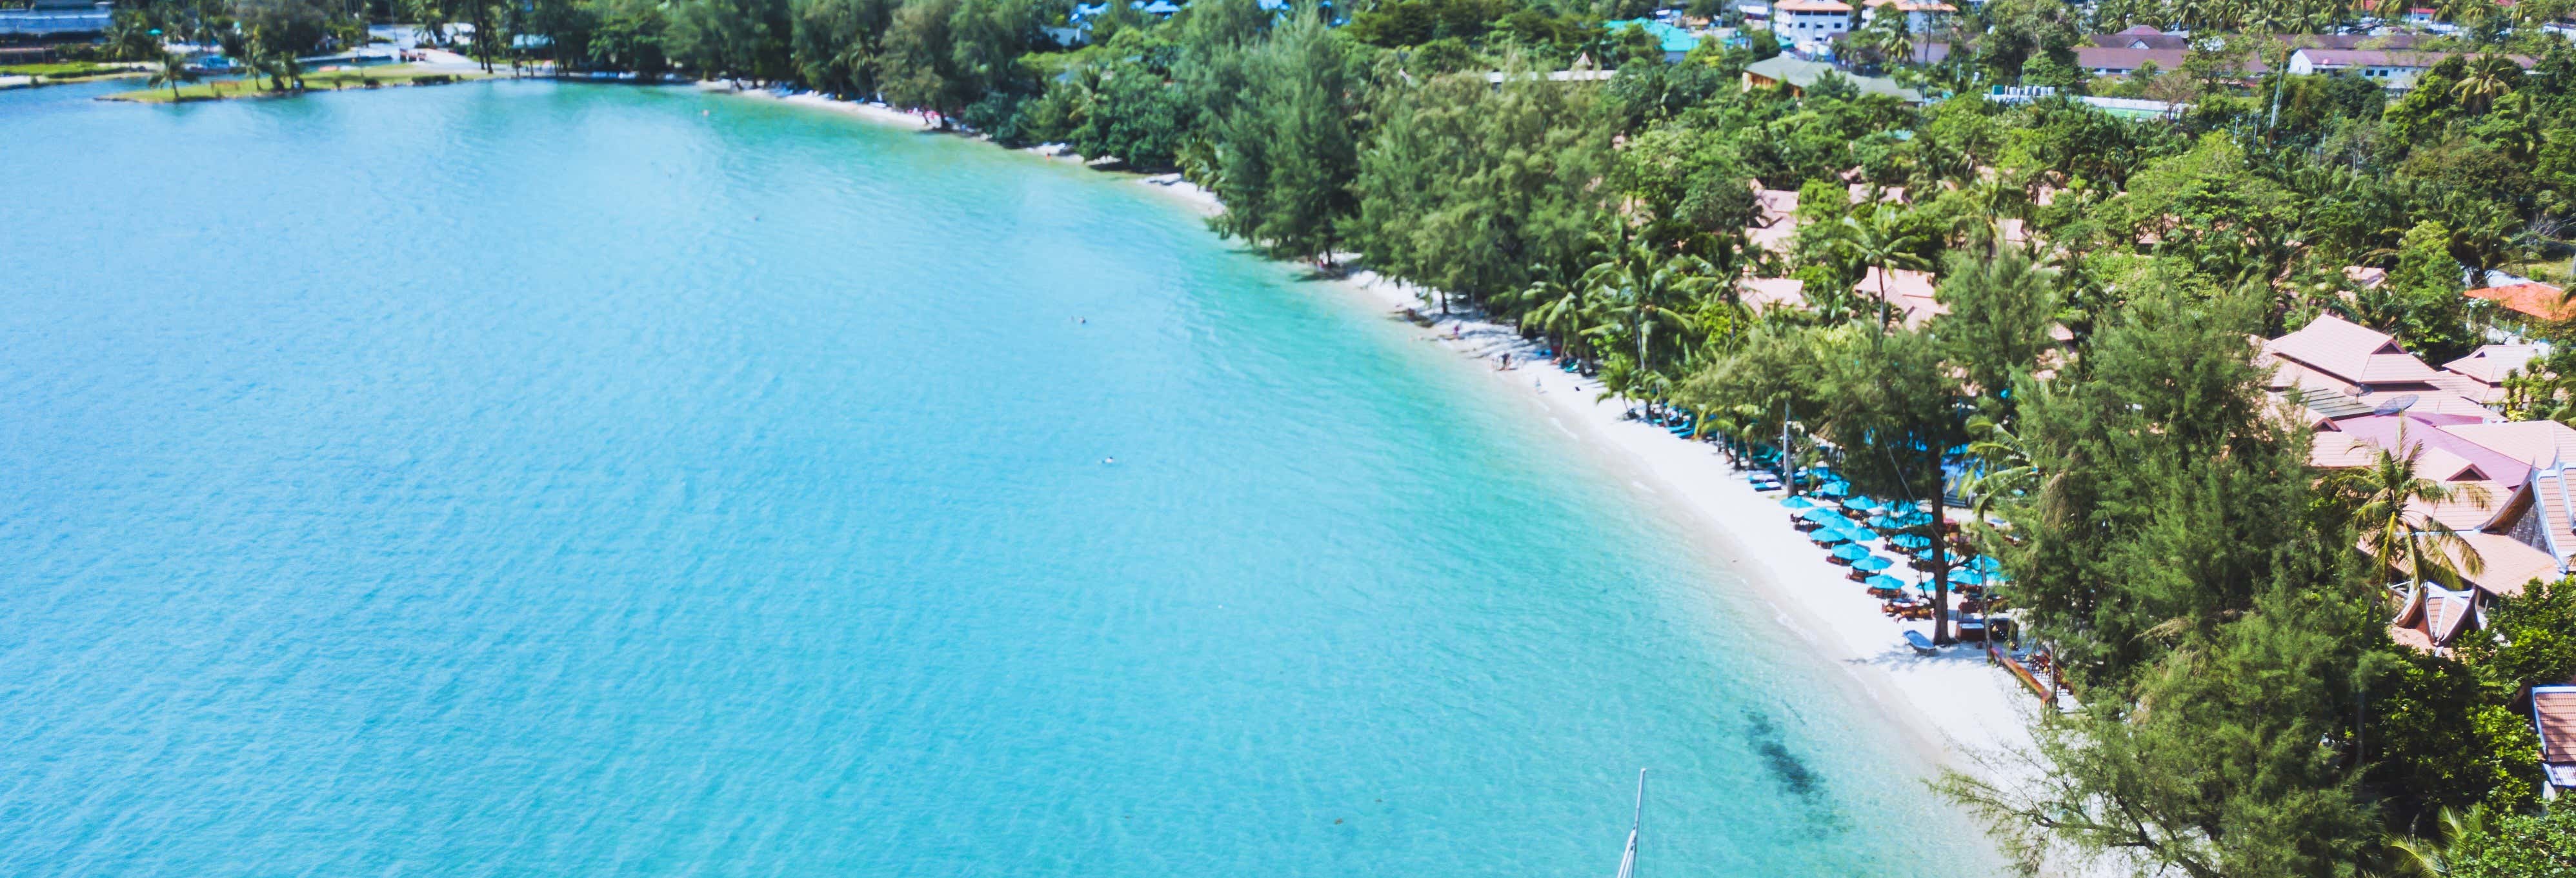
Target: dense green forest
(2246, 713)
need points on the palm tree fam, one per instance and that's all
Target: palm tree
(1886, 241)
(2418, 546)
(2488, 78)
(2426, 858)
(1558, 311)
(173, 70)
(1640, 289)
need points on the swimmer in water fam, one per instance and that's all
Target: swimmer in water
(1108, 460)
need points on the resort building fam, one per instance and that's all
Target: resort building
(2334, 359)
(1921, 16)
(2394, 70)
(1810, 21)
(1908, 295)
(1775, 220)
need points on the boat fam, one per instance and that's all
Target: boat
(1628, 860)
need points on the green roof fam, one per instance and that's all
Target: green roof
(1805, 73)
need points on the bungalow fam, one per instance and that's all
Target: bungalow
(1909, 295)
(1765, 293)
(1800, 75)
(2394, 69)
(2553, 714)
(2490, 365)
(1813, 21)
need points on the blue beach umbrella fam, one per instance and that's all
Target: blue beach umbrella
(1863, 504)
(1832, 489)
(1821, 514)
(1827, 536)
(1857, 533)
(1908, 541)
(1852, 552)
(1798, 503)
(1966, 577)
(1873, 563)
(1882, 580)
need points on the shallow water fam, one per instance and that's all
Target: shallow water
(531, 479)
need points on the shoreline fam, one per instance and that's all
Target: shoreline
(1954, 707)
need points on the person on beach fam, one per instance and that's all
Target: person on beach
(1507, 361)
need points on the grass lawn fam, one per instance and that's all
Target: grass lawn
(323, 80)
(62, 70)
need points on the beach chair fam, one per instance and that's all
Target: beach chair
(1922, 645)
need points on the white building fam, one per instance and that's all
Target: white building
(1816, 21)
(2393, 70)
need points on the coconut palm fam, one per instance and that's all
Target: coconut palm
(2428, 858)
(2415, 545)
(172, 72)
(1884, 241)
(2488, 77)
(1559, 312)
(1639, 289)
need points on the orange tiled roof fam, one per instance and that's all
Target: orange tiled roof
(2538, 300)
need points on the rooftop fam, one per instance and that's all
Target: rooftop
(2351, 353)
(2536, 299)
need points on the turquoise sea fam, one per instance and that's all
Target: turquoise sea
(522, 479)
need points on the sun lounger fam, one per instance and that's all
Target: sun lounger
(1922, 645)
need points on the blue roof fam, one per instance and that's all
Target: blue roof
(1159, 7)
(1674, 39)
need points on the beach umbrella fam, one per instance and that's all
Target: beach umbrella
(1964, 576)
(1873, 563)
(1852, 552)
(1798, 503)
(1826, 536)
(1832, 489)
(1883, 522)
(1986, 564)
(1822, 514)
(1908, 541)
(1882, 580)
(1858, 534)
(1861, 503)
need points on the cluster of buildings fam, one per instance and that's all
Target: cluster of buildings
(2392, 60)
(2514, 482)
(2512, 503)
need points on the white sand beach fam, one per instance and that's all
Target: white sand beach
(1954, 705)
